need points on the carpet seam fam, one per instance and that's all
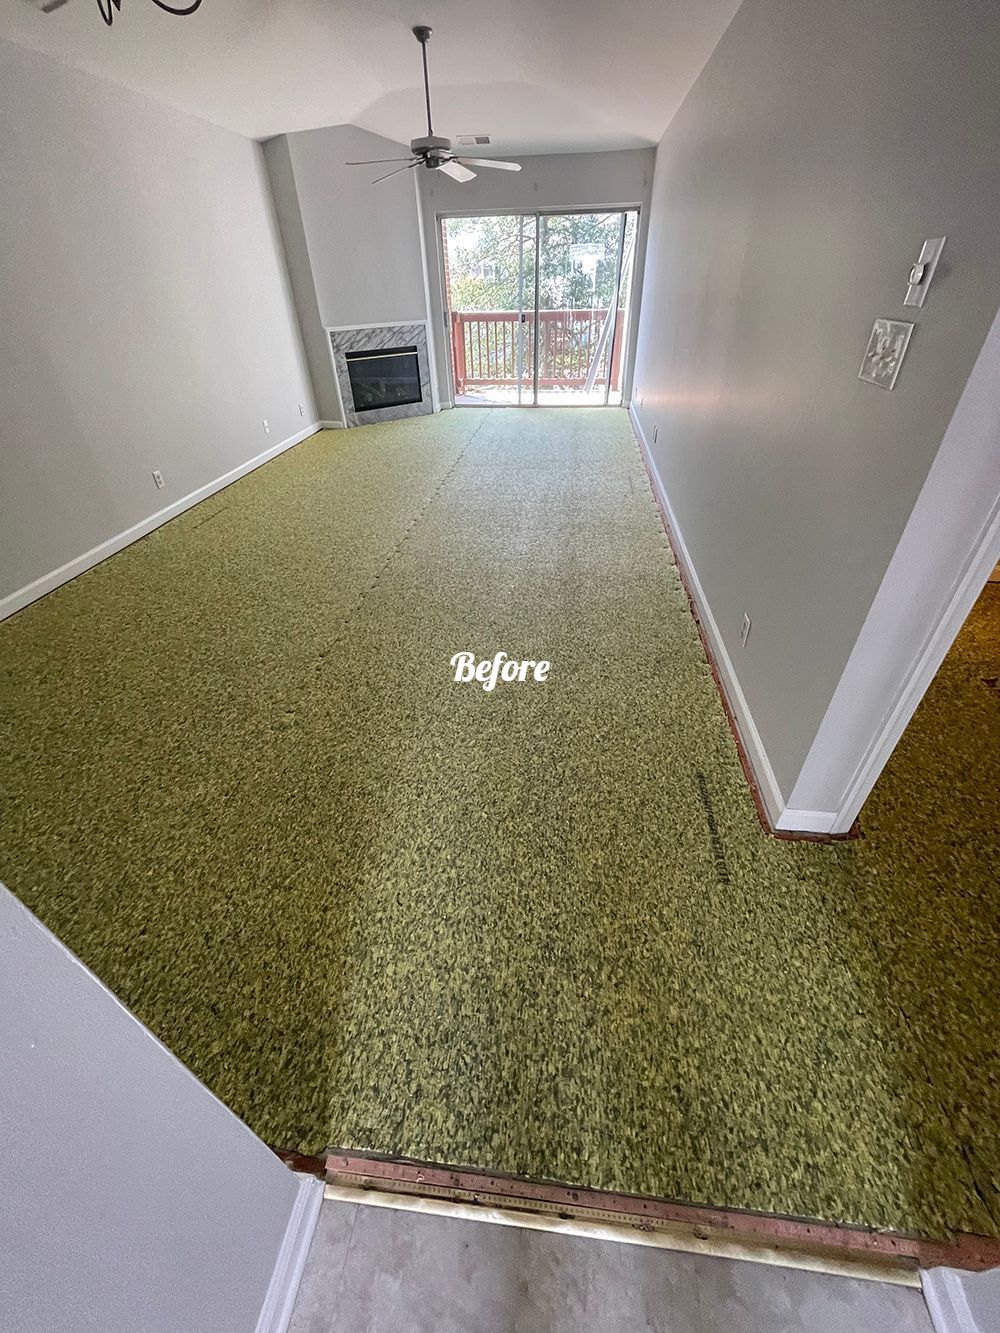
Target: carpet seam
(408, 532)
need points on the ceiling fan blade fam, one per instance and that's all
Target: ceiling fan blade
(489, 162)
(456, 171)
(375, 161)
(414, 163)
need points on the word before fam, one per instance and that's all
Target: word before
(491, 669)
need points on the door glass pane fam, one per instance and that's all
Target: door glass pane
(489, 266)
(619, 350)
(578, 317)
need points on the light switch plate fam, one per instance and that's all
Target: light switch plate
(930, 253)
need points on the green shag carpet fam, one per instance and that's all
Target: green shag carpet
(376, 909)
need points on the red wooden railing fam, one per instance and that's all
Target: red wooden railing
(484, 347)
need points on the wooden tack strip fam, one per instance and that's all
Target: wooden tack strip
(831, 1241)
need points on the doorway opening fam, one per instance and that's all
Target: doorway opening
(537, 306)
(946, 764)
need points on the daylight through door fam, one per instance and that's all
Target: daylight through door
(537, 306)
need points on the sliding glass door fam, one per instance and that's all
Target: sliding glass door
(581, 306)
(537, 306)
(489, 271)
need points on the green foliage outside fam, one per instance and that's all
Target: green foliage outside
(578, 258)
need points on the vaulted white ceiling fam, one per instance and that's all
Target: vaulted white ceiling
(537, 75)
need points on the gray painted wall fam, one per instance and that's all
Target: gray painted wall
(132, 1198)
(353, 248)
(363, 240)
(278, 161)
(146, 317)
(820, 146)
(559, 180)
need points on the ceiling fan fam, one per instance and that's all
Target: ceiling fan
(431, 150)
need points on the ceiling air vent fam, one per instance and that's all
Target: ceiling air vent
(470, 139)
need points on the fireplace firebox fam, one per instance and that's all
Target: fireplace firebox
(384, 377)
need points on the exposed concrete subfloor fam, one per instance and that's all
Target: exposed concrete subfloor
(375, 1269)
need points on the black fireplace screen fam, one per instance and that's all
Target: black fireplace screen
(384, 377)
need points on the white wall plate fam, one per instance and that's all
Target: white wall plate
(885, 351)
(923, 270)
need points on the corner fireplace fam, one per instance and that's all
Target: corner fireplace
(384, 377)
(383, 372)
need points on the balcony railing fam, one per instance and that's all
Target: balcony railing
(486, 347)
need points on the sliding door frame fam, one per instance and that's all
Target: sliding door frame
(615, 302)
(442, 216)
(535, 321)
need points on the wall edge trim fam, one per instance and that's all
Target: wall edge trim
(807, 821)
(55, 578)
(276, 1312)
(946, 1302)
(946, 551)
(926, 666)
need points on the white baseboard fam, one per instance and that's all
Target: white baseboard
(22, 597)
(946, 1302)
(771, 794)
(807, 821)
(276, 1312)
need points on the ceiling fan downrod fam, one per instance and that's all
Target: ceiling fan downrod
(422, 34)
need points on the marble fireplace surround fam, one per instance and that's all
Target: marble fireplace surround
(365, 338)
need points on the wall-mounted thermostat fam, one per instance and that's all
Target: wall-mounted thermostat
(923, 270)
